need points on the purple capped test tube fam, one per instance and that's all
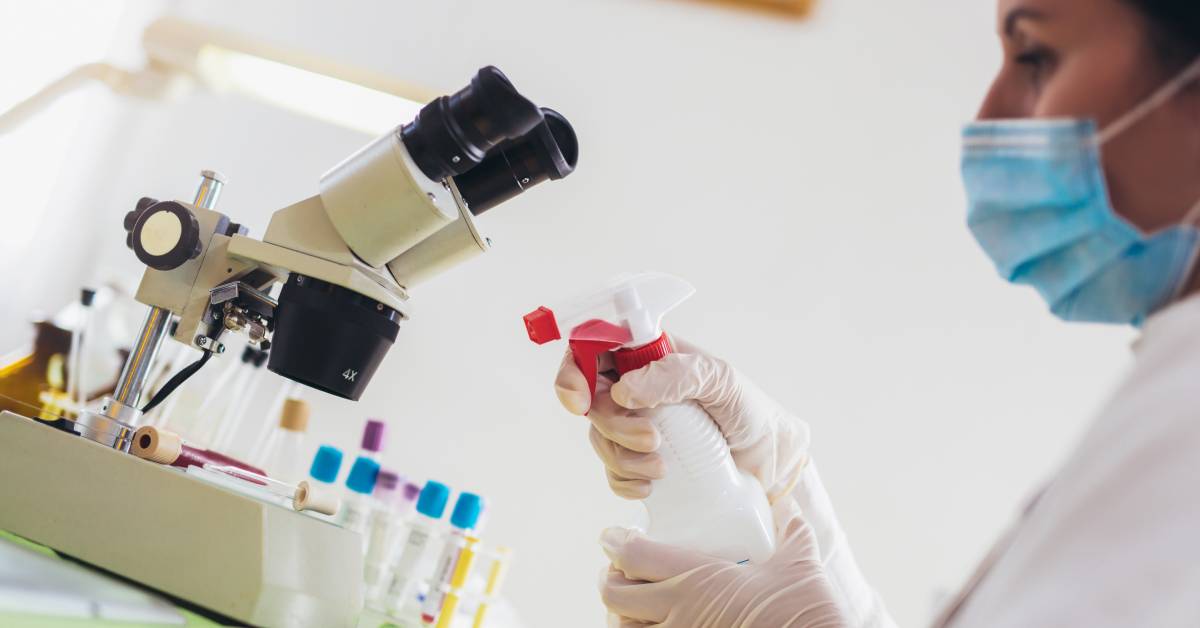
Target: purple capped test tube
(372, 438)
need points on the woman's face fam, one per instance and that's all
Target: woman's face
(1096, 59)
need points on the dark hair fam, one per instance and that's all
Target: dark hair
(1175, 26)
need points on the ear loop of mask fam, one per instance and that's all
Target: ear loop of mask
(1154, 101)
(1157, 99)
(1190, 221)
(1192, 218)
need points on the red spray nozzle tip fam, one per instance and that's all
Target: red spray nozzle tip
(541, 326)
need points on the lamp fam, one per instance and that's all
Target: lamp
(180, 53)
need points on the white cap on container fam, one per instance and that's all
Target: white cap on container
(316, 498)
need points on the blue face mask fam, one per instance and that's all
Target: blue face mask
(1038, 205)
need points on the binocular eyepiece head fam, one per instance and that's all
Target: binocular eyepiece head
(548, 151)
(492, 140)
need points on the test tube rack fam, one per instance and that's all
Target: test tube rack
(239, 557)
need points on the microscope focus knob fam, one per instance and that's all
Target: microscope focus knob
(143, 204)
(165, 235)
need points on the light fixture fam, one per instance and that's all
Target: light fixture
(180, 53)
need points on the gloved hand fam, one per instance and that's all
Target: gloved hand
(649, 583)
(765, 440)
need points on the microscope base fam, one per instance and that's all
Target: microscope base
(240, 557)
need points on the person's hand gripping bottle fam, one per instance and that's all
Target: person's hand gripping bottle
(703, 502)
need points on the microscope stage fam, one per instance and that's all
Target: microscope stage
(238, 556)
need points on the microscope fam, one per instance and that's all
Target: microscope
(394, 214)
(391, 216)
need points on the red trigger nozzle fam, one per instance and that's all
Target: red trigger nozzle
(587, 356)
(590, 339)
(541, 326)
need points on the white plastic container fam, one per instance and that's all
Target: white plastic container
(703, 502)
(422, 532)
(395, 499)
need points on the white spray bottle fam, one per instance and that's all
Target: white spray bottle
(703, 502)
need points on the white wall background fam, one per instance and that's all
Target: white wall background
(802, 175)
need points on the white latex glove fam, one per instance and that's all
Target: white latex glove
(650, 583)
(765, 440)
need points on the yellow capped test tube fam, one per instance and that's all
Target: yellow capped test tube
(495, 580)
(462, 569)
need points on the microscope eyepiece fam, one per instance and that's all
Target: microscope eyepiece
(454, 133)
(548, 151)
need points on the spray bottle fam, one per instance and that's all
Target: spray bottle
(703, 502)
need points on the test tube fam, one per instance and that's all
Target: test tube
(462, 569)
(303, 496)
(285, 453)
(462, 521)
(372, 439)
(495, 580)
(166, 447)
(394, 499)
(358, 503)
(326, 465)
(431, 505)
(287, 390)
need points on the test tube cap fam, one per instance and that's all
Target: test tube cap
(363, 475)
(394, 490)
(315, 498)
(326, 464)
(466, 511)
(372, 439)
(155, 445)
(432, 502)
(294, 415)
(388, 482)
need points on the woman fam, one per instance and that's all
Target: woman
(1083, 180)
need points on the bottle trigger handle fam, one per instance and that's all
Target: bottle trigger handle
(589, 341)
(587, 358)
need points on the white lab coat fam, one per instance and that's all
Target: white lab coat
(1114, 539)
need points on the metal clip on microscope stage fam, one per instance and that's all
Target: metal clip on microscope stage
(390, 216)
